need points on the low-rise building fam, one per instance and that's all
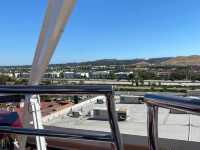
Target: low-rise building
(122, 75)
(100, 74)
(24, 75)
(7, 74)
(163, 74)
(81, 75)
(17, 75)
(52, 75)
(68, 75)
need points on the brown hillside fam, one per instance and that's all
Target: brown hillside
(183, 60)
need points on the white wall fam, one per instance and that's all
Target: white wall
(85, 106)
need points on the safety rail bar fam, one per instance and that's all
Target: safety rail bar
(154, 101)
(105, 90)
(59, 134)
(46, 89)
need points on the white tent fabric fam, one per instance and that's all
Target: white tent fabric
(57, 14)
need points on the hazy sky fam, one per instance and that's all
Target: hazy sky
(103, 29)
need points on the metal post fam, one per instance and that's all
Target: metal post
(26, 122)
(37, 121)
(32, 106)
(114, 122)
(152, 127)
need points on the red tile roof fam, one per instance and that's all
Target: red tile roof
(47, 108)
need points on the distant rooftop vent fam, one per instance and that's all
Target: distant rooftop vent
(102, 114)
(76, 114)
(100, 101)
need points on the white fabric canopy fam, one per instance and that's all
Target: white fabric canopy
(57, 14)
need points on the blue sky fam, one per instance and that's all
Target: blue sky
(122, 29)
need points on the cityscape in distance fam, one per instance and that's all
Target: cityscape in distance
(100, 75)
(177, 74)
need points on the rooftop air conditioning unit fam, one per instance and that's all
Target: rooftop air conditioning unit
(102, 114)
(76, 114)
(122, 114)
(100, 101)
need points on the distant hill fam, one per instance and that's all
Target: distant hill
(179, 61)
(143, 63)
(158, 60)
(103, 62)
(106, 62)
(183, 60)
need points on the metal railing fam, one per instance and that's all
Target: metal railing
(106, 90)
(154, 101)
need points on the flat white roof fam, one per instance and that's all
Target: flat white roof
(171, 126)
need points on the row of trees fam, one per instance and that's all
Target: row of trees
(136, 78)
(10, 80)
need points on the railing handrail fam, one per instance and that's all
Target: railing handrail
(173, 102)
(106, 90)
(154, 101)
(15, 93)
(59, 134)
(53, 89)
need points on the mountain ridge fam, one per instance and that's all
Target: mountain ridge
(121, 61)
(176, 61)
(183, 60)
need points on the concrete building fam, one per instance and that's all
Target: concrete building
(163, 74)
(100, 74)
(81, 75)
(52, 75)
(122, 75)
(24, 75)
(130, 99)
(176, 131)
(84, 108)
(17, 75)
(7, 74)
(69, 75)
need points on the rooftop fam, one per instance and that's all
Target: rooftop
(171, 126)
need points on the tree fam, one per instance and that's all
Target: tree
(146, 75)
(47, 82)
(112, 76)
(21, 81)
(137, 79)
(141, 82)
(159, 83)
(178, 75)
(195, 76)
(76, 99)
(134, 78)
(131, 78)
(4, 79)
(61, 75)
